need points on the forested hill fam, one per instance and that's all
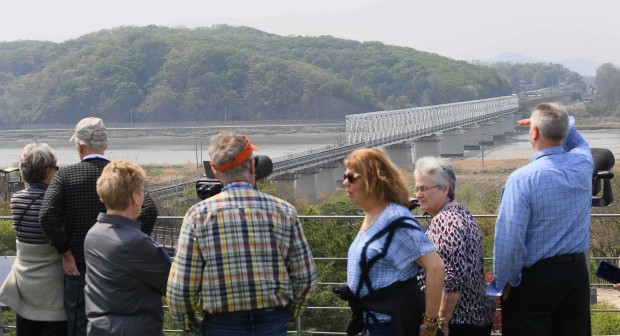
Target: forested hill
(159, 74)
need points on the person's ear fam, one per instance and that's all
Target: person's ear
(446, 189)
(134, 198)
(216, 174)
(252, 167)
(535, 132)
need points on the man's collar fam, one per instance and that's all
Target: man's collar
(547, 151)
(238, 184)
(95, 156)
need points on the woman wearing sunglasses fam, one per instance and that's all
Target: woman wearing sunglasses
(465, 308)
(388, 253)
(33, 288)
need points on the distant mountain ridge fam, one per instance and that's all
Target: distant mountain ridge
(584, 67)
(224, 73)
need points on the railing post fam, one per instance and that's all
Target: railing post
(297, 325)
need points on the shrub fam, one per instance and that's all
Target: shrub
(605, 323)
(7, 238)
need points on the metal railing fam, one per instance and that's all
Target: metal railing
(301, 321)
(166, 232)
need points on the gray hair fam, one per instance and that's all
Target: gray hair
(551, 119)
(223, 149)
(440, 170)
(97, 144)
(34, 160)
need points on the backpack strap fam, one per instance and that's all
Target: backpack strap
(403, 222)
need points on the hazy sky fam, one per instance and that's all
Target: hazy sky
(462, 29)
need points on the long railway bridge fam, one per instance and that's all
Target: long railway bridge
(447, 130)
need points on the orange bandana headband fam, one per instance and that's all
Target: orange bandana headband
(240, 158)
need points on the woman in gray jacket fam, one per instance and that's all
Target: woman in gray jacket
(126, 273)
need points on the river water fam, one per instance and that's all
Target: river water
(518, 146)
(185, 150)
(173, 150)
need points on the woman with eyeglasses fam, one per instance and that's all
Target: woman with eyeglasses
(34, 287)
(126, 272)
(465, 308)
(387, 254)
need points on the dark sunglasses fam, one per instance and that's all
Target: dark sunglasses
(351, 177)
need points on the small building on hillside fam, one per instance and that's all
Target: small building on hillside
(10, 182)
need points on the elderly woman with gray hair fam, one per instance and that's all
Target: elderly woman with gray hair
(33, 288)
(465, 308)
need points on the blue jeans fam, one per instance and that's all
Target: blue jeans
(261, 322)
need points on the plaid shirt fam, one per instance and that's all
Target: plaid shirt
(240, 250)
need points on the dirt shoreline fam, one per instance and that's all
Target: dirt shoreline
(598, 123)
(185, 132)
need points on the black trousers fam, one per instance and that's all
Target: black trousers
(74, 304)
(552, 299)
(26, 327)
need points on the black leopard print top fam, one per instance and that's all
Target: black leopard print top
(458, 239)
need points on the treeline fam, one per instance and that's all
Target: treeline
(533, 76)
(224, 73)
(607, 99)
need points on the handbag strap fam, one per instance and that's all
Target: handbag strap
(19, 222)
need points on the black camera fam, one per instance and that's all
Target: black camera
(211, 186)
(413, 203)
(604, 160)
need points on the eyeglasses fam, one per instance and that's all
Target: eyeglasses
(351, 177)
(424, 188)
(54, 167)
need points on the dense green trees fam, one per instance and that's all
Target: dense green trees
(532, 76)
(608, 86)
(224, 73)
(606, 98)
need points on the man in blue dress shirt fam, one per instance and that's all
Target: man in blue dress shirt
(542, 232)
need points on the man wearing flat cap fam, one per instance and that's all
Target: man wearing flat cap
(242, 261)
(70, 208)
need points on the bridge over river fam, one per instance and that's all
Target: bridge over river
(442, 130)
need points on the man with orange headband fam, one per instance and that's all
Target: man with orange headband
(243, 265)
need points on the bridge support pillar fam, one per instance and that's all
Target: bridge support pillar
(510, 123)
(427, 146)
(400, 154)
(327, 179)
(307, 186)
(487, 133)
(471, 138)
(287, 180)
(499, 129)
(451, 144)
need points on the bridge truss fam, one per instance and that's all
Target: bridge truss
(378, 128)
(388, 127)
